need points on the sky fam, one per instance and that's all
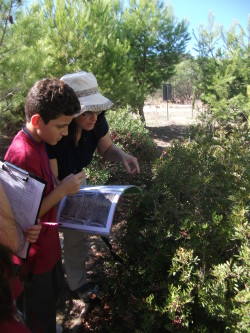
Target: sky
(224, 11)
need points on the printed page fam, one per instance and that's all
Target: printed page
(24, 194)
(92, 209)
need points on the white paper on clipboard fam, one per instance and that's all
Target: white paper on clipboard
(24, 192)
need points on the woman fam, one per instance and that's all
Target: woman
(87, 132)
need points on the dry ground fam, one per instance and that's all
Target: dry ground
(168, 122)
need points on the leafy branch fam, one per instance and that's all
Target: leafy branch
(8, 18)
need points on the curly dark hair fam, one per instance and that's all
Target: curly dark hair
(51, 98)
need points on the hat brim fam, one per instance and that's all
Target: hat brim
(94, 103)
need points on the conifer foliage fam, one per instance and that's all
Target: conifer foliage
(130, 50)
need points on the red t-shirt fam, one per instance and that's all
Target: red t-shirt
(13, 326)
(24, 153)
(16, 287)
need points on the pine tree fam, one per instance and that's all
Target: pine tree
(157, 42)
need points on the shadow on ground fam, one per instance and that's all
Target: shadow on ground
(168, 133)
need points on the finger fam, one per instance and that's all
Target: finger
(137, 167)
(132, 171)
(31, 239)
(35, 228)
(126, 165)
(134, 167)
(33, 233)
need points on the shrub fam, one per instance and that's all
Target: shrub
(185, 247)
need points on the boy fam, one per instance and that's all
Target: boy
(50, 106)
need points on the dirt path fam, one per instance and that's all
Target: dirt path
(168, 123)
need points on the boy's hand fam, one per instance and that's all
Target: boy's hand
(32, 233)
(72, 183)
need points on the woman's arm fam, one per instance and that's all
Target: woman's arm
(110, 152)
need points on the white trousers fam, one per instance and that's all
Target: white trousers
(76, 247)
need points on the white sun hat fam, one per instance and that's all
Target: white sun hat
(85, 86)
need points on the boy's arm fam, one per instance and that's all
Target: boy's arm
(69, 185)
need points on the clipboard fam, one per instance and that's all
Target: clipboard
(24, 192)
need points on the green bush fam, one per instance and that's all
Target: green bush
(185, 247)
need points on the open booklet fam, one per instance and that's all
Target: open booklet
(24, 192)
(91, 210)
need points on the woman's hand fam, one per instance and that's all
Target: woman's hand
(130, 163)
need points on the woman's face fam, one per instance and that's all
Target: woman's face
(87, 120)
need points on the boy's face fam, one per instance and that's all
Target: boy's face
(52, 132)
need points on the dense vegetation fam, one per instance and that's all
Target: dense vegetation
(185, 245)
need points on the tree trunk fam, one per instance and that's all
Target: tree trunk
(141, 113)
